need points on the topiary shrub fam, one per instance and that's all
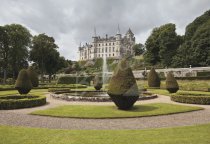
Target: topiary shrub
(97, 82)
(33, 77)
(171, 83)
(123, 88)
(23, 83)
(153, 78)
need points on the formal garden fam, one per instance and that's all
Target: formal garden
(45, 98)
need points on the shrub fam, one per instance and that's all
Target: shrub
(33, 77)
(16, 102)
(75, 80)
(23, 83)
(123, 88)
(10, 81)
(191, 99)
(171, 83)
(153, 79)
(97, 82)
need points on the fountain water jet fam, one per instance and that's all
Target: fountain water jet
(104, 69)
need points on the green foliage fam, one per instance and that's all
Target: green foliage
(196, 49)
(23, 83)
(33, 77)
(97, 82)
(75, 80)
(123, 88)
(203, 74)
(153, 78)
(191, 98)
(161, 45)
(16, 102)
(138, 49)
(171, 83)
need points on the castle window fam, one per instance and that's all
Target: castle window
(106, 49)
(113, 49)
(109, 54)
(113, 54)
(98, 44)
(109, 49)
(109, 43)
(106, 44)
(113, 43)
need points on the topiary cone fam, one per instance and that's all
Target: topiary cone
(171, 83)
(123, 88)
(23, 83)
(33, 77)
(97, 83)
(153, 78)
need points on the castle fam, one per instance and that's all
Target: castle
(110, 47)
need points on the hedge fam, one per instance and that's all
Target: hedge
(75, 80)
(17, 102)
(203, 74)
(191, 99)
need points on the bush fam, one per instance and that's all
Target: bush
(123, 88)
(10, 81)
(16, 102)
(97, 82)
(75, 80)
(153, 79)
(191, 99)
(23, 83)
(203, 74)
(171, 83)
(33, 77)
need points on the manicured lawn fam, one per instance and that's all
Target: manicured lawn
(94, 111)
(179, 135)
(15, 92)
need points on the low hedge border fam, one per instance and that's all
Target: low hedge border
(191, 98)
(18, 101)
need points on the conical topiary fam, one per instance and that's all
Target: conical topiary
(33, 77)
(23, 83)
(153, 78)
(171, 83)
(97, 82)
(123, 88)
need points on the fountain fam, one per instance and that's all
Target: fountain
(104, 69)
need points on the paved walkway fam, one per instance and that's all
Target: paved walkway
(21, 117)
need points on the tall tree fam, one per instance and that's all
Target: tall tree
(4, 52)
(161, 45)
(195, 50)
(19, 42)
(138, 49)
(43, 50)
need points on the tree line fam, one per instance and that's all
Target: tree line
(165, 48)
(18, 47)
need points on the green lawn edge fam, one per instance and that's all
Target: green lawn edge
(198, 134)
(99, 111)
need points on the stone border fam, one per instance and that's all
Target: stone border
(93, 99)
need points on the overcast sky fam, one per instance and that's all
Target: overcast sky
(72, 21)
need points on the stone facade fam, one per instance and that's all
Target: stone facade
(111, 47)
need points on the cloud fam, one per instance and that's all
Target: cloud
(72, 21)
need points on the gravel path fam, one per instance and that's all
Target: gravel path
(21, 117)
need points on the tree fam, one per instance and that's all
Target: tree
(97, 82)
(138, 49)
(195, 50)
(33, 76)
(123, 88)
(23, 83)
(43, 50)
(4, 52)
(153, 78)
(19, 41)
(161, 45)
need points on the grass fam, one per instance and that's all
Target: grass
(179, 135)
(94, 111)
(15, 92)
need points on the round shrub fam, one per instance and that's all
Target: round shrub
(171, 83)
(97, 82)
(33, 77)
(123, 88)
(23, 83)
(16, 102)
(153, 78)
(189, 98)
